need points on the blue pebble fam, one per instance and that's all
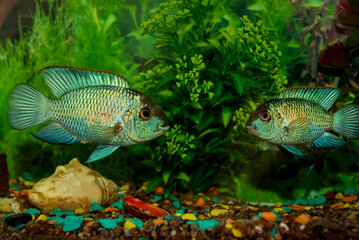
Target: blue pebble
(287, 209)
(288, 203)
(259, 215)
(157, 198)
(60, 220)
(273, 232)
(205, 224)
(57, 212)
(18, 227)
(118, 204)
(192, 222)
(172, 198)
(33, 211)
(300, 201)
(215, 200)
(181, 211)
(27, 176)
(72, 223)
(176, 204)
(119, 195)
(3, 218)
(95, 207)
(70, 213)
(317, 201)
(108, 223)
(169, 217)
(349, 191)
(195, 213)
(278, 217)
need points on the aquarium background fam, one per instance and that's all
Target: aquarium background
(208, 64)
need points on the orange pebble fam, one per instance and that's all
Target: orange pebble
(270, 217)
(297, 207)
(337, 205)
(200, 202)
(111, 209)
(229, 221)
(2, 215)
(167, 202)
(350, 199)
(189, 203)
(315, 217)
(159, 191)
(302, 219)
(201, 217)
(158, 221)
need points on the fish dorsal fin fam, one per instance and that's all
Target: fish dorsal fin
(325, 97)
(65, 79)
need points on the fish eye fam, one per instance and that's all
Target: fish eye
(145, 113)
(265, 116)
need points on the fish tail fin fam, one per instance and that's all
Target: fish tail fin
(27, 107)
(346, 121)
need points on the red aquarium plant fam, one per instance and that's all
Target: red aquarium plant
(347, 14)
(142, 209)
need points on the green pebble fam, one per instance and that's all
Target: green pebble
(349, 191)
(138, 222)
(278, 218)
(259, 215)
(70, 213)
(95, 207)
(118, 204)
(205, 224)
(13, 186)
(108, 223)
(215, 200)
(57, 212)
(27, 176)
(195, 214)
(176, 204)
(18, 227)
(157, 198)
(317, 201)
(3, 218)
(168, 217)
(181, 211)
(33, 211)
(141, 238)
(72, 223)
(118, 188)
(60, 220)
(119, 195)
(288, 203)
(172, 198)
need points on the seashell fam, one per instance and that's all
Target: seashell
(142, 209)
(71, 187)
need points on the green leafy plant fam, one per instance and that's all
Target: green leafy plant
(205, 69)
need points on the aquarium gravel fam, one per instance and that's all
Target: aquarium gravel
(202, 216)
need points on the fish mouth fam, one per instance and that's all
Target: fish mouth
(251, 127)
(162, 128)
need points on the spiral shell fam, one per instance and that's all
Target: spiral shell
(71, 187)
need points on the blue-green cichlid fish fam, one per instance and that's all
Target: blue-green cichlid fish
(300, 117)
(93, 107)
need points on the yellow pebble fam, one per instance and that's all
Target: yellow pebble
(6, 208)
(216, 212)
(224, 206)
(308, 208)
(279, 210)
(178, 214)
(355, 205)
(28, 183)
(21, 179)
(155, 204)
(12, 181)
(124, 188)
(237, 233)
(277, 205)
(129, 225)
(88, 219)
(189, 216)
(79, 211)
(339, 195)
(347, 205)
(230, 226)
(42, 217)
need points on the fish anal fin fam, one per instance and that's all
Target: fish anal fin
(55, 133)
(293, 149)
(101, 152)
(328, 141)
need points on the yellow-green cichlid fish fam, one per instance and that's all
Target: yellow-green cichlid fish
(93, 107)
(299, 117)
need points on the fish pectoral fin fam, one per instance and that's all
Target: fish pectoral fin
(101, 152)
(299, 126)
(310, 169)
(101, 134)
(328, 140)
(293, 149)
(55, 133)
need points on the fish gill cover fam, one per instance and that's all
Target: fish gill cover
(208, 65)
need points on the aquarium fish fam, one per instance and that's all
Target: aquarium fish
(93, 107)
(299, 116)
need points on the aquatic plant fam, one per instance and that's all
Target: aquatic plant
(209, 62)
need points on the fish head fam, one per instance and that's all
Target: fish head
(262, 123)
(146, 121)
